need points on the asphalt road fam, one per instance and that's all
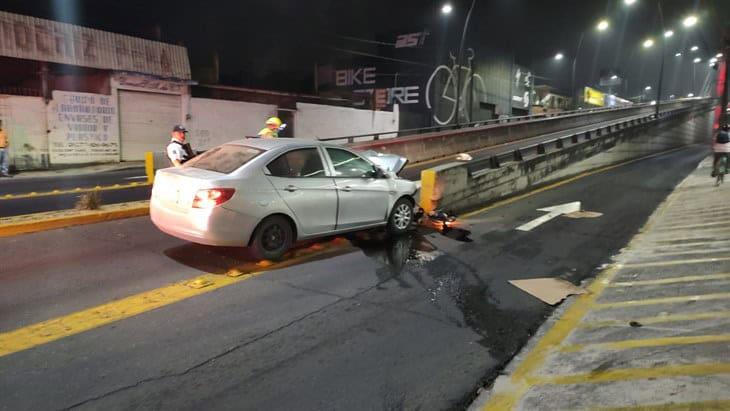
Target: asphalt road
(23, 185)
(415, 323)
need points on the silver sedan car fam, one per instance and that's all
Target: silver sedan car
(268, 193)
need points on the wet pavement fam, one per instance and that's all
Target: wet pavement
(358, 322)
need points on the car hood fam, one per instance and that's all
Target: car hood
(388, 162)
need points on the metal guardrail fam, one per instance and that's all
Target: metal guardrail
(559, 143)
(508, 120)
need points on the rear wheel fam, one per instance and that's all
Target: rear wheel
(401, 217)
(272, 238)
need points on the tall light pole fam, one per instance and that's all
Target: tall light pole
(663, 51)
(602, 26)
(460, 59)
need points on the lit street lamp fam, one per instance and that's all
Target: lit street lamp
(698, 60)
(614, 77)
(719, 55)
(694, 48)
(678, 55)
(629, 2)
(647, 88)
(446, 9)
(603, 25)
(668, 34)
(689, 21)
(559, 56)
(648, 43)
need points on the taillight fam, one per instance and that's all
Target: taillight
(212, 197)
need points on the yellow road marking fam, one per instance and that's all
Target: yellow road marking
(31, 223)
(649, 342)
(626, 374)
(691, 226)
(90, 318)
(74, 191)
(659, 319)
(564, 182)
(665, 300)
(675, 262)
(507, 398)
(719, 405)
(688, 244)
(673, 280)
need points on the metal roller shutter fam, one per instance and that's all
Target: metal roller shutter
(145, 122)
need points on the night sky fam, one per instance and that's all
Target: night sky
(275, 44)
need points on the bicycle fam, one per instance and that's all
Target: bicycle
(450, 85)
(720, 169)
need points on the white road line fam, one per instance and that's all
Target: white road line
(553, 212)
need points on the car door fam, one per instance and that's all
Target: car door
(363, 198)
(300, 179)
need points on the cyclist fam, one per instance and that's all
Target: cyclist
(721, 147)
(273, 125)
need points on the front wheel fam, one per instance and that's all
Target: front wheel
(401, 216)
(272, 238)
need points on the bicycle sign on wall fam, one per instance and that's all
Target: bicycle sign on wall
(441, 90)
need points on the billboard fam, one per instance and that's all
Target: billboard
(594, 97)
(32, 38)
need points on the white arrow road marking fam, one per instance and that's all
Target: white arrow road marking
(553, 212)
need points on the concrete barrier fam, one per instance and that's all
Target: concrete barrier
(453, 186)
(429, 146)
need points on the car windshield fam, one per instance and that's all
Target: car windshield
(224, 159)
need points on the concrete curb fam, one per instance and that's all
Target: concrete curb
(32, 223)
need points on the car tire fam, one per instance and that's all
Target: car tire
(272, 238)
(401, 216)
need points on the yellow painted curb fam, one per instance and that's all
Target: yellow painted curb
(32, 223)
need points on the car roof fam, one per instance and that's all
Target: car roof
(274, 143)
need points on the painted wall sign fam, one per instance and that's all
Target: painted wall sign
(46, 40)
(84, 128)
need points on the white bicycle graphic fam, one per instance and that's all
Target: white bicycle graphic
(448, 93)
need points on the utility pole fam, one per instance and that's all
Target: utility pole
(661, 67)
(460, 59)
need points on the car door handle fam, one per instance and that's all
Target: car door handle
(346, 188)
(290, 188)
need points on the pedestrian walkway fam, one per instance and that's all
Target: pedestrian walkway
(654, 331)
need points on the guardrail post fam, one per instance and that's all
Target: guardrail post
(559, 143)
(540, 149)
(517, 155)
(493, 162)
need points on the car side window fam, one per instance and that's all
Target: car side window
(305, 162)
(347, 164)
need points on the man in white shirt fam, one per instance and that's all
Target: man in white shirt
(178, 151)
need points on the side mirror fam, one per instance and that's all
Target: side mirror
(376, 172)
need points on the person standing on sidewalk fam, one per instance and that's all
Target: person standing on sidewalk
(721, 147)
(178, 151)
(4, 152)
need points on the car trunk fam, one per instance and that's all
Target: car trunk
(176, 187)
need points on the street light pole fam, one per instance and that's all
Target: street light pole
(572, 78)
(460, 59)
(661, 66)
